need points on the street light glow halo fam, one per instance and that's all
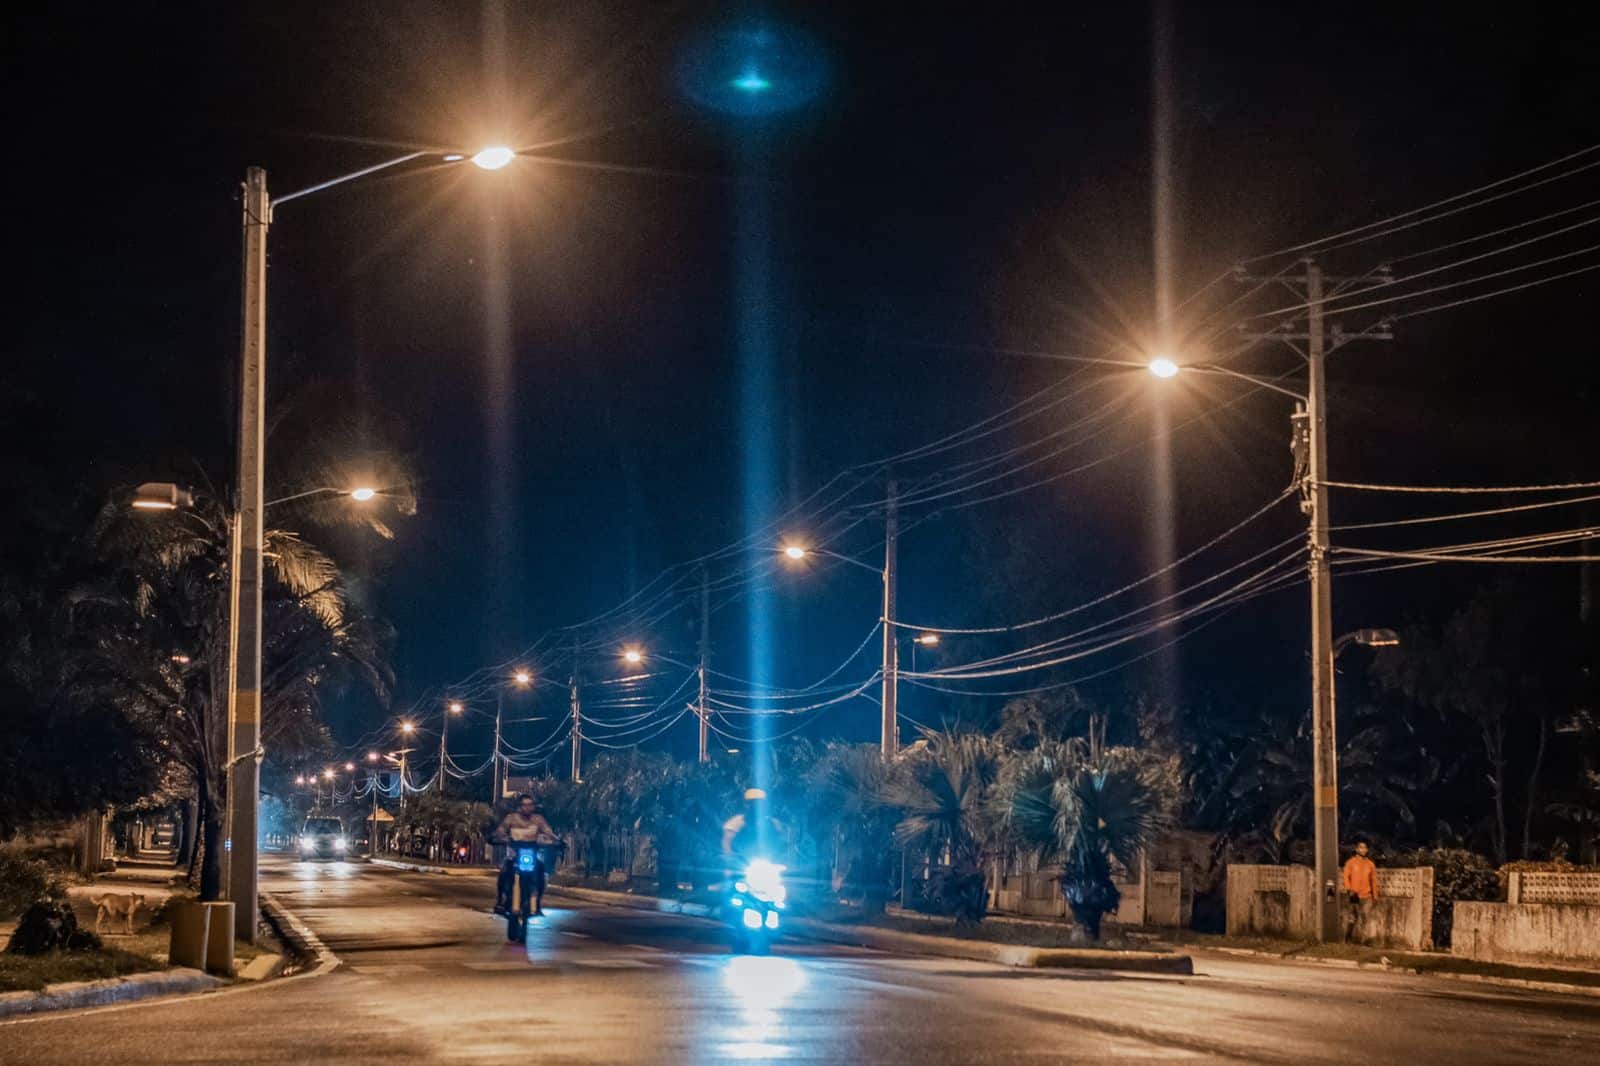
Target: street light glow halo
(363, 494)
(494, 157)
(795, 551)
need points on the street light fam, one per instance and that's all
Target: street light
(632, 656)
(407, 728)
(372, 756)
(494, 157)
(522, 678)
(350, 767)
(362, 495)
(1367, 638)
(257, 213)
(889, 717)
(1163, 367)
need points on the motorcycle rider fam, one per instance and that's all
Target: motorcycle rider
(525, 824)
(742, 835)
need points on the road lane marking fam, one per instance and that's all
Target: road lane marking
(615, 964)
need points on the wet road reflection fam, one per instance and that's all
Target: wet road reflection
(762, 986)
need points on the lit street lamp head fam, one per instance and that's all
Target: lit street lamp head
(633, 656)
(327, 775)
(161, 496)
(456, 707)
(349, 766)
(372, 756)
(522, 677)
(1163, 367)
(795, 552)
(362, 495)
(493, 158)
(928, 639)
(407, 727)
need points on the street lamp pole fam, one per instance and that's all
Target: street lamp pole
(241, 874)
(244, 702)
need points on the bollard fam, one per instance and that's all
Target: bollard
(219, 940)
(189, 928)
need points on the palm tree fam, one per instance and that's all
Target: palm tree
(850, 807)
(153, 631)
(1081, 804)
(943, 794)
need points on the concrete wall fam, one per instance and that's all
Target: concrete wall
(1275, 901)
(1402, 915)
(1280, 901)
(1149, 897)
(1560, 933)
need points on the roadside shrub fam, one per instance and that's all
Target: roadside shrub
(1458, 874)
(50, 925)
(24, 881)
(951, 894)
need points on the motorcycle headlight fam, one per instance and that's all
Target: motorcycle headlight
(765, 879)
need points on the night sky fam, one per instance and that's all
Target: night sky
(962, 188)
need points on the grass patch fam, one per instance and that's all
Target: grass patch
(29, 973)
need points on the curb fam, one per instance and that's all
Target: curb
(628, 899)
(298, 936)
(1528, 984)
(424, 868)
(1017, 955)
(69, 994)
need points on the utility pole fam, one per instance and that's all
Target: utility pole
(577, 718)
(444, 732)
(372, 837)
(891, 640)
(494, 772)
(244, 727)
(1309, 443)
(1324, 745)
(705, 658)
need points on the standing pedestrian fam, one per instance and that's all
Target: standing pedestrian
(1361, 888)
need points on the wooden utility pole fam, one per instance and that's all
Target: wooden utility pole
(891, 639)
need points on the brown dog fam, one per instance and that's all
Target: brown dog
(113, 904)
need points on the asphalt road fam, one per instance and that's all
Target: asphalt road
(427, 976)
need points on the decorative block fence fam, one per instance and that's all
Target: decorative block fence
(1280, 901)
(1548, 918)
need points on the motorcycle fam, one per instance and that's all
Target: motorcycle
(755, 906)
(528, 872)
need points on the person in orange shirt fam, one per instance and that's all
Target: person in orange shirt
(1361, 886)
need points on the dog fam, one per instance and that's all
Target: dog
(111, 904)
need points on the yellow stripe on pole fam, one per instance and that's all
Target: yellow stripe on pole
(247, 706)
